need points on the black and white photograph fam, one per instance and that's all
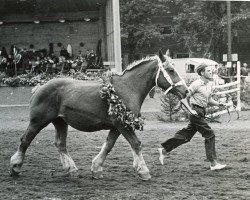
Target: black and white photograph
(124, 100)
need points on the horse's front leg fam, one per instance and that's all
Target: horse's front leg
(139, 162)
(98, 161)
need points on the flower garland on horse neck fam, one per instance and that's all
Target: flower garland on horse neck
(118, 109)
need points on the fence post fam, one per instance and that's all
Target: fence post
(238, 108)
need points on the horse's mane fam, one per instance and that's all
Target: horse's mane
(138, 63)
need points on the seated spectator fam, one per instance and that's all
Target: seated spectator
(35, 65)
(91, 58)
(3, 64)
(10, 69)
(4, 53)
(79, 56)
(64, 53)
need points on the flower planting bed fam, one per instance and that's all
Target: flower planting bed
(17, 90)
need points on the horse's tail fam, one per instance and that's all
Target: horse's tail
(34, 89)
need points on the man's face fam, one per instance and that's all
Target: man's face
(208, 73)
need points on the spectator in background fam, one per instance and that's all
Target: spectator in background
(243, 70)
(4, 52)
(3, 59)
(87, 55)
(234, 70)
(79, 56)
(223, 73)
(64, 53)
(91, 59)
(243, 73)
(215, 75)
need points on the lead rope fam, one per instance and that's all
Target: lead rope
(209, 118)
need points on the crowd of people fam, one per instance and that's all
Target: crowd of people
(21, 61)
(229, 74)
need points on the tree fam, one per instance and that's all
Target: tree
(170, 105)
(199, 26)
(202, 25)
(137, 31)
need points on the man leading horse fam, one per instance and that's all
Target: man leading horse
(200, 96)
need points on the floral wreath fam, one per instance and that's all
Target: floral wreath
(118, 109)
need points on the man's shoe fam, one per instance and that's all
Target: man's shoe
(218, 166)
(161, 157)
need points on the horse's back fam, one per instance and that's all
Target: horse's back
(55, 86)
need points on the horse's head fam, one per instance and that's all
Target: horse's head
(168, 79)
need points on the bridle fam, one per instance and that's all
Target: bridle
(167, 77)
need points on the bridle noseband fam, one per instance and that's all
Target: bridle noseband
(167, 77)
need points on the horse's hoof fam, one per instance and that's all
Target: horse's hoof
(14, 173)
(74, 174)
(145, 176)
(97, 175)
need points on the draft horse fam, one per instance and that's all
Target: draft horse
(64, 102)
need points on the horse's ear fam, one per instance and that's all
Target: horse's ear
(161, 56)
(167, 53)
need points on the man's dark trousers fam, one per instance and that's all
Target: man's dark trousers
(196, 123)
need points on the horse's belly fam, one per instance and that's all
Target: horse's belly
(86, 121)
(89, 126)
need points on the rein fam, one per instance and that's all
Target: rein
(212, 119)
(167, 77)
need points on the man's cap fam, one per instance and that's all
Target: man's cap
(200, 68)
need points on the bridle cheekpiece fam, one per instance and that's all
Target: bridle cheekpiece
(167, 77)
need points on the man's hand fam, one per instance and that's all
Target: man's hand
(225, 104)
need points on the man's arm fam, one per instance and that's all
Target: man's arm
(212, 102)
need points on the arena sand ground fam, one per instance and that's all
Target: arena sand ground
(185, 175)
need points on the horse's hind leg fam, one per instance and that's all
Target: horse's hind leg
(16, 160)
(98, 161)
(139, 162)
(60, 142)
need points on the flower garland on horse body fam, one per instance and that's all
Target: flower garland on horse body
(118, 109)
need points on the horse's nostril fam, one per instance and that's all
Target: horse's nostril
(187, 91)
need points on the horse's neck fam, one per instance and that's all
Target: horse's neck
(133, 87)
